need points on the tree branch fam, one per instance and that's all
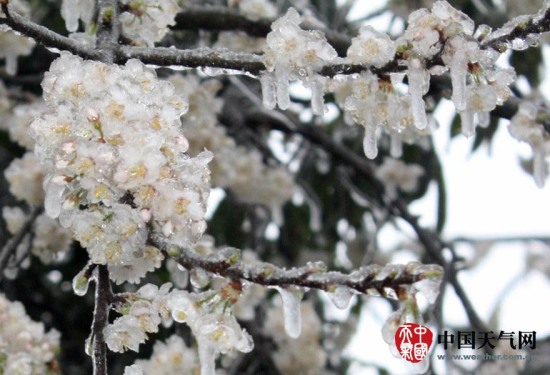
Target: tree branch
(367, 280)
(103, 297)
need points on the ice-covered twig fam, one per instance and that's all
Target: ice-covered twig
(367, 280)
(520, 28)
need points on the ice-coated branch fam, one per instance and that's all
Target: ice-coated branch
(517, 32)
(45, 36)
(372, 280)
(103, 297)
(195, 58)
(11, 246)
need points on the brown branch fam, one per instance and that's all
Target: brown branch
(103, 298)
(365, 280)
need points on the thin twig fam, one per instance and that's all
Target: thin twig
(103, 297)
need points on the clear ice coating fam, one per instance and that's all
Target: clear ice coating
(417, 84)
(468, 125)
(282, 83)
(269, 90)
(396, 145)
(291, 298)
(207, 358)
(539, 166)
(369, 142)
(341, 296)
(317, 100)
(458, 80)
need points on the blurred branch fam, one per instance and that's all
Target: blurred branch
(11, 246)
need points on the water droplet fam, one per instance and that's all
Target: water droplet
(341, 296)
(81, 282)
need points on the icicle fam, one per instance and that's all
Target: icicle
(281, 81)
(468, 126)
(317, 99)
(396, 144)
(341, 296)
(369, 142)
(416, 89)
(11, 65)
(458, 80)
(483, 119)
(291, 298)
(269, 91)
(539, 166)
(207, 358)
(53, 200)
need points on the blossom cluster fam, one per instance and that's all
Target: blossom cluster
(115, 162)
(25, 346)
(434, 42)
(145, 22)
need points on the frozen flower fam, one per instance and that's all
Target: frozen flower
(173, 357)
(133, 370)
(74, 10)
(50, 240)
(146, 21)
(371, 48)
(25, 346)
(20, 119)
(124, 333)
(25, 177)
(396, 174)
(292, 53)
(14, 217)
(525, 127)
(257, 9)
(117, 150)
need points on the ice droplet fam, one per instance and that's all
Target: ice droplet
(396, 145)
(429, 288)
(291, 298)
(269, 91)
(539, 166)
(341, 296)
(89, 346)
(468, 125)
(317, 99)
(369, 142)
(81, 282)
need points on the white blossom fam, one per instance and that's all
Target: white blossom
(371, 48)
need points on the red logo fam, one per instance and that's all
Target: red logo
(413, 341)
